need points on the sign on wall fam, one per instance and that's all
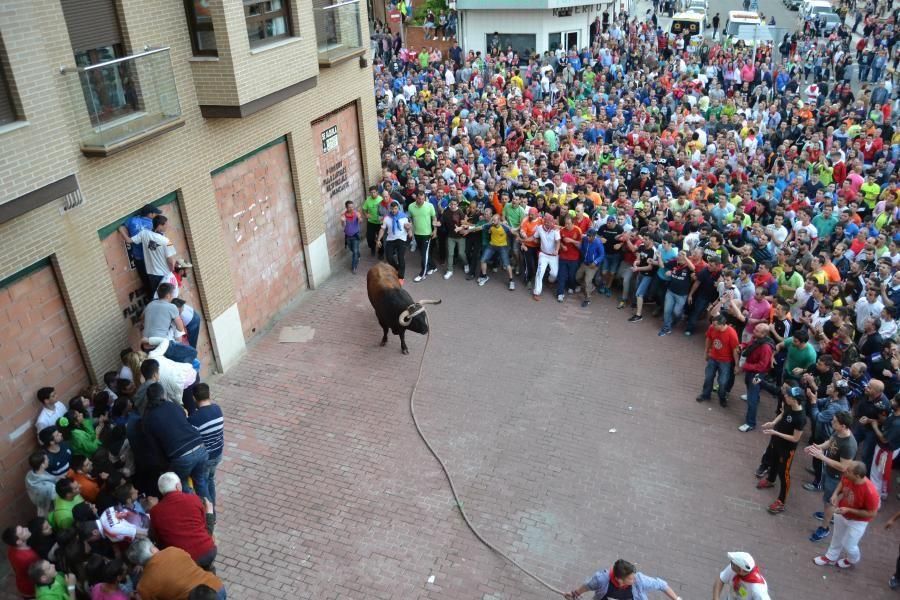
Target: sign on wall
(330, 139)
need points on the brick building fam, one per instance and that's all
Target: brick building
(248, 123)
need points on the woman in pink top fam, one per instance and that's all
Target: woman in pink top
(111, 575)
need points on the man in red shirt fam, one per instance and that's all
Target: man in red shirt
(182, 520)
(20, 558)
(722, 350)
(857, 500)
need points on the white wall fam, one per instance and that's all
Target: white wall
(477, 24)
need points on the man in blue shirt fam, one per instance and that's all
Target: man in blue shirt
(210, 422)
(134, 225)
(592, 254)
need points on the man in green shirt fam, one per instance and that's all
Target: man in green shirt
(68, 495)
(424, 222)
(513, 215)
(825, 222)
(372, 209)
(50, 585)
(800, 356)
(789, 281)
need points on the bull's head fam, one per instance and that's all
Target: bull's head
(413, 318)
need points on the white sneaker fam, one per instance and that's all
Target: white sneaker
(512, 284)
(744, 397)
(745, 428)
(483, 279)
(448, 274)
(466, 269)
(431, 271)
(560, 298)
(418, 278)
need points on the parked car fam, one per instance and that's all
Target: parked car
(793, 4)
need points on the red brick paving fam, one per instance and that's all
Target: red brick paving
(327, 493)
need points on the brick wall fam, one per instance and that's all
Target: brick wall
(37, 349)
(130, 291)
(259, 222)
(47, 149)
(340, 171)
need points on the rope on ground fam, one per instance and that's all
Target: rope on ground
(459, 504)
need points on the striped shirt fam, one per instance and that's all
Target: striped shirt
(210, 422)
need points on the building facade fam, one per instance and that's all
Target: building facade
(530, 26)
(247, 123)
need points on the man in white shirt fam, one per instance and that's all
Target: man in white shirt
(159, 253)
(741, 580)
(776, 230)
(398, 231)
(51, 410)
(548, 254)
(869, 306)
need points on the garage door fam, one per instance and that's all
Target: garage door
(37, 349)
(130, 291)
(258, 211)
(339, 162)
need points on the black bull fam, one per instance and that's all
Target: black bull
(393, 305)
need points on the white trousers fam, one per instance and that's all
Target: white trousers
(876, 470)
(545, 261)
(845, 536)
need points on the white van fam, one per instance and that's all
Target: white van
(736, 18)
(810, 9)
(690, 24)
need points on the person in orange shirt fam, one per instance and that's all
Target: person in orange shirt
(831, 271)
(529, 244)
(80, 472)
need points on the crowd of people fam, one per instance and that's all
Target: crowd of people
(123, 486)
(751, 191)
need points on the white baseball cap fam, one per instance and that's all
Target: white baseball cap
(742, 560)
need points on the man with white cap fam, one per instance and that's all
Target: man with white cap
(741, 580)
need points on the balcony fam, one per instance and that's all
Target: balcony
(127, 100)
(338, 32)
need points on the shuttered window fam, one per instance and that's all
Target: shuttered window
(91, 24)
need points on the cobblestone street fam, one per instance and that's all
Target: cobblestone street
(327, 492)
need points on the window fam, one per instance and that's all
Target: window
(200, 25)
(7, 108)
(521, 43)
(266, 21)
(111, 92)
(565, 40)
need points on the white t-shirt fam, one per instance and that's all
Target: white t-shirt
(157, 248)
(400, 233)
(778, 234)
(746, 591)
(46, 418)
(548, 239)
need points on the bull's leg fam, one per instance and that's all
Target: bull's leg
(403, 347)
(384, 337)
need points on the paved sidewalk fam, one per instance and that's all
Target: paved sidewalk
(327, 492)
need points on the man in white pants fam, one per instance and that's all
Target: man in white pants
(548, 255)
(857, 501)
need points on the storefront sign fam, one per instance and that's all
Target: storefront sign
(330, 139)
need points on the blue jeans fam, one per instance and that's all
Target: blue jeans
(192, 465)
(192, 329)
(180, 352)
(673, 309)
(752, 397)
(222, 595)
(352, 243)
(566, 277)
(698, 308)
(211, 464)
(724, 371)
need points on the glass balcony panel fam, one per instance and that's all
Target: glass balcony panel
(338, 30)
(123, 99)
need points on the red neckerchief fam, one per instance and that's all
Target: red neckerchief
(615, 582)
(753, 576)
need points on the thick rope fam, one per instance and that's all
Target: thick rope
(459, 504)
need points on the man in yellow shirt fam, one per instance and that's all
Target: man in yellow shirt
(517, 81)
(498, 245)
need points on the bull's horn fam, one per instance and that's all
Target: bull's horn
(438, 301)
(407, 315)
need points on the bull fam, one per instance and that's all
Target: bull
(393, 305)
